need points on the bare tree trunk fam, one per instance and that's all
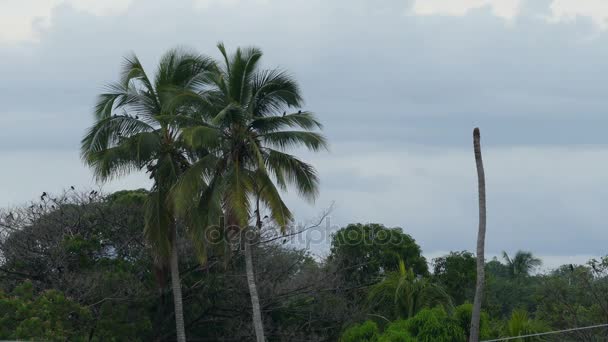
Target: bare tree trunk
(177, 292)
(481, 239)
(253, 292)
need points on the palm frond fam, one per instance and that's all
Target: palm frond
(182, 68)
(290, 170)
(187, 191)
(303, 120)
(289, 139)
(157, 223)
(133, 70)
(222, 48)
(279, 212)
(272, 92)
(110, 131)
(242, 65)
(238, 185)
(202, 136)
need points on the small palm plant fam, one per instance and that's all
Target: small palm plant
(522, 264)
(407, 294)
(521, 324)
(137, 127)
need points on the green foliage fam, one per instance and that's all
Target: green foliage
(521, 324)
(397, 331)
(435, 325)
(48, 316)
(364, 332)
(462, 314)
(81, 252)
(127, 198)
(575, 295)
(456, 272)
(115, 322)
(364, 251)
(428, 325)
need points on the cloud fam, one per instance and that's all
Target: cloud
(558, 10)
(22, 20)
(538, 197)
(507, 9)
(398, 93)
(570, 10)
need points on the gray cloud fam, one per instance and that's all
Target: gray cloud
(399, 95)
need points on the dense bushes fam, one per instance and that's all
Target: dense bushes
(428, 325)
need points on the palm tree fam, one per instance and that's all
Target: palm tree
(244, 125)
(136, 128)
(522, 264)
(481, 238)
(407, 293)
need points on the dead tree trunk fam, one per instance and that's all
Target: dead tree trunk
(481, 239)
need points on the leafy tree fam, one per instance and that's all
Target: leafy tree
(116, 283)
(244, 126)
(573, 296)
(494, 268)
(521, 264)
(406, 293)
(363, 252)
(90, 249)
(136, 127)
(456, 273)
(48, 316)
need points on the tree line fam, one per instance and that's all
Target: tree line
(77, 267)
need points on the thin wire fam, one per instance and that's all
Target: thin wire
(546, 333)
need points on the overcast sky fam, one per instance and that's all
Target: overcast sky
(399, 85)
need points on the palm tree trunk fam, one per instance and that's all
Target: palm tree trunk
(177, 292)
(253, 292)
(481, 239)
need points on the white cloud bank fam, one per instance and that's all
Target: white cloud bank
(22, 20)
(502, 8)
(560, 10)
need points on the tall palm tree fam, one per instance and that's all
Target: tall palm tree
(407, 294)
(522, 264)
(481, 238)
(137, 128)
(245, 127)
